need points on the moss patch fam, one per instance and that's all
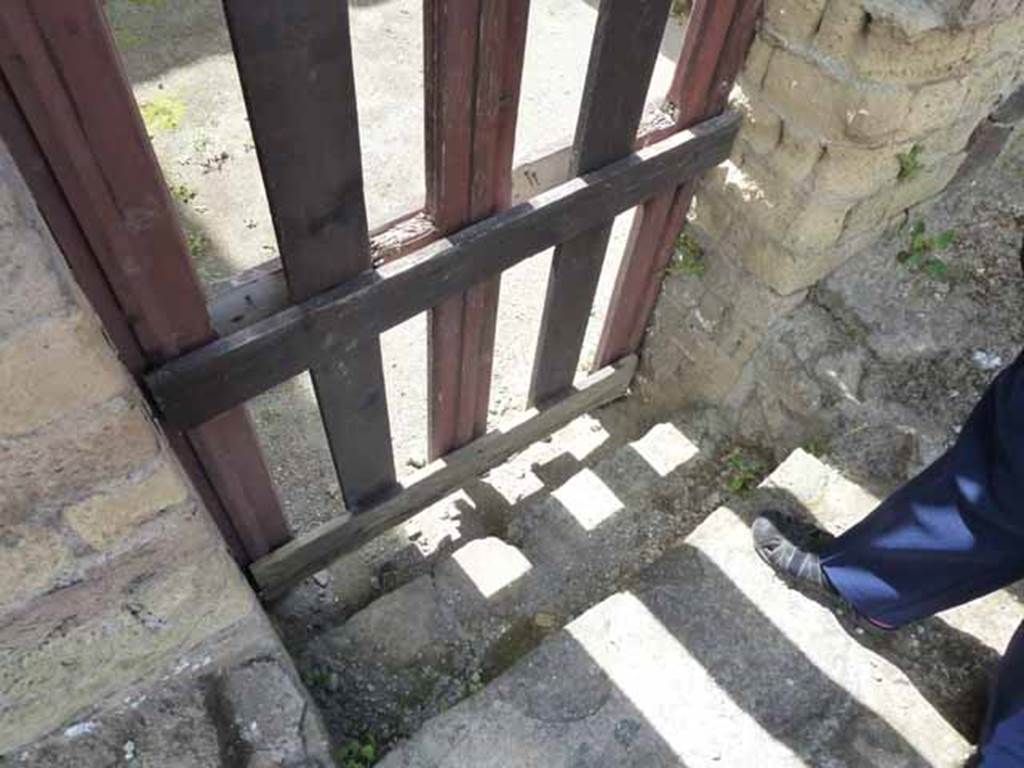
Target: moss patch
(162, 114)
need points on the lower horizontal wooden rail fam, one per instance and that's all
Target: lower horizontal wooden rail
(209, 380)
(306, 555)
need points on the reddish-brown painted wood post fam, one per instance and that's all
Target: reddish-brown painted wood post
(718, 36)
(102, 192)
(474, 60)
(627, 38)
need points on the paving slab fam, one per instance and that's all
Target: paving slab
(710, 660)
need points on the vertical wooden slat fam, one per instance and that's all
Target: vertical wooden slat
(63, 70)
(626, 43)
(717, 38)
(295, 62)
(474, 59)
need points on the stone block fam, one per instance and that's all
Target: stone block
(53, 368)
(32, 560)
(767, 204)
(104, 518)
(119, 622)
(910, 17)
(820, 103)
(886, 53)
(762, 128)
(842, 26)
(688, 359)
(31, 287)
(401, 628)
(234, 700)
(872, 214)
(482, 570)
(796, 155)
(853, 172)
(756, 65)
(69, 458)
(795, 21)
(982, 11)
(987, 86)
(947, 141)
(933, 107)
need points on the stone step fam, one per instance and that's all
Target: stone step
(439, 638)
(709, 660)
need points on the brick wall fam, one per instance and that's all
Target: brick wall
(110, 568)
(855, 111)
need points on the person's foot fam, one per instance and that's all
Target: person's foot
(791, 549)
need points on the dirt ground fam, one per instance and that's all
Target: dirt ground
(178, 57)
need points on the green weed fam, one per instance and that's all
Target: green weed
(910, 163)
(817, 448)
(164, 113)
(126, 39)
(919, 255)
(681, 7)
(198, 244)
(688, 258)
(743, 471)
(183, 193)
(359, 754)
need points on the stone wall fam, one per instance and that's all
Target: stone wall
(113, 575)
(856, 112)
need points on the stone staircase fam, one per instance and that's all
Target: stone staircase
(708, 660)
(617, 623)
(444, 634)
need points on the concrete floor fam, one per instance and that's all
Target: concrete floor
(179, 60)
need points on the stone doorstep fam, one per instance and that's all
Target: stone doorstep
(234, 700)
(711, 661)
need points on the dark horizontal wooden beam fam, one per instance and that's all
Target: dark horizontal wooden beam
(306, 555)
(209, 380)
(260, 291)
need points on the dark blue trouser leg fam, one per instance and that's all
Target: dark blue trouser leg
(1003, 737)
(955, 532)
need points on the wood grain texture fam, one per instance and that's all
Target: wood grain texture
(627, 39)
(306, 555)
(718, 36)
(229, 371)
(63, 70)
(295, 62)
(258, 292)
(473, 75)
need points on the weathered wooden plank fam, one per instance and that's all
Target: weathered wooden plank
(717, 38)
(473, 75)
(626, 43)
(450, 30)
(63, 70)
(260, 291)
(295, 62)
(308, 554)
(229, 371)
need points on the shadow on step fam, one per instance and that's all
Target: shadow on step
(685, 670)
(952, 669)
(776, 697)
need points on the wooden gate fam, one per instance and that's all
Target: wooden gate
(68, 115)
